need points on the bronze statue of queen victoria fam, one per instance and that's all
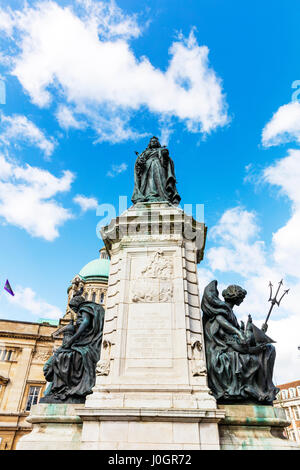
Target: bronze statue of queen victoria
(154, 175)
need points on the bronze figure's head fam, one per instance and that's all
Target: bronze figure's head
(234, 294)
(154, 143)
(76, 300)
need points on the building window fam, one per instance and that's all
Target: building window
(8, 357)
(296, 413)
(284, 394)
(103, 254)
(33, 396)
(102, 298)
(93, 297)
(292, 392)
(5, 354)
(298, 390)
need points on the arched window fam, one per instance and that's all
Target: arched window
(102, 298)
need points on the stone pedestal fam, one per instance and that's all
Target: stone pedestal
(151, 388)
(254, 427)
(54, 427)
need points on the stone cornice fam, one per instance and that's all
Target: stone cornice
(15, 334)
(151, 414)
(154, 221)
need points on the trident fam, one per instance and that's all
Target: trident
(274, 301)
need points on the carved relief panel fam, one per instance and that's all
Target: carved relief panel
(155, 282)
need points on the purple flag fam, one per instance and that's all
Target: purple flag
(8, 288)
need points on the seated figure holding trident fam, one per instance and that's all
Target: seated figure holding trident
(240, 360)
(71, 370)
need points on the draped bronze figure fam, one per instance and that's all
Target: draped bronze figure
(154, 175)
(240, 359)
(71, 370)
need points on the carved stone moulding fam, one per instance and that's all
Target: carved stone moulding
(42, 355)
(103, 366)
(165, 221)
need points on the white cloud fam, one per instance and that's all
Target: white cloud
(285, 174)
(113, 128)
(19, 128)
(27, 198)
(5, 168)
(111, 83)
(166, 130)
(234, 233)
(67, 120)
(86, 203)
(117, 169)
(284, 125)
(27, 299)
(286, 333)
(6, 21)
(109, 20)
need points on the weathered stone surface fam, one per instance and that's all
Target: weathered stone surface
(254, 427)
(55, 427)
(150, 428)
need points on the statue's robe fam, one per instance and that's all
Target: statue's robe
(235, 374)
(72, 371)
(154, 177)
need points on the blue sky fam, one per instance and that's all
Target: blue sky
(88, 82)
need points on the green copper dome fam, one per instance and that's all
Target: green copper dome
(96, 269)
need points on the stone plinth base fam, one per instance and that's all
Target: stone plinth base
(251, 427)
(125, 429)
(55, 427)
